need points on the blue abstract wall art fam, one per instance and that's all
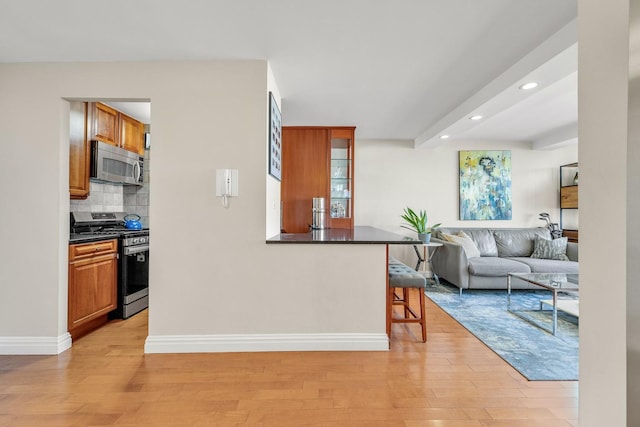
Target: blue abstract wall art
(485, 185)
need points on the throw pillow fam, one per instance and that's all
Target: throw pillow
(550, 249)
(447, 237)
(467, 244)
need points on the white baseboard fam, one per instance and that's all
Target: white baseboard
(35, 345)
(265, 342)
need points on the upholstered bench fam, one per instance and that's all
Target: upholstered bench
(403, 278)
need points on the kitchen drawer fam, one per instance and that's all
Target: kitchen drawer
(85, 250)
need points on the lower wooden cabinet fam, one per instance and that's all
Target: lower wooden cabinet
(93, 277)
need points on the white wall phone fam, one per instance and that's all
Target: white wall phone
(226, 184)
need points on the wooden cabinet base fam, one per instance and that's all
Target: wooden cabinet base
(90, 326)
(92, 290)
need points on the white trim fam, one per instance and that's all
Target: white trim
(35, 345)
(265, 342)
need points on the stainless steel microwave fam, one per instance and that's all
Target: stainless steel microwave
(115, 164)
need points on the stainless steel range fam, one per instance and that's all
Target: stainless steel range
(133, 256)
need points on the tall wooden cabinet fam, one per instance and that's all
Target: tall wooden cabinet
(79, 151)
(317, 161)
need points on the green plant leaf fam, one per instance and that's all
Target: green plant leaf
(417, 221)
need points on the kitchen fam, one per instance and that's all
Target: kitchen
(109, 212)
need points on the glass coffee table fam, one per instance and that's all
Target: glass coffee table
(555, 283)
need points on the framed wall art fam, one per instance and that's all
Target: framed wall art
(485, 185)
(275, 139)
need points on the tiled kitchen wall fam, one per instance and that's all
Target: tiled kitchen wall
(106, 197)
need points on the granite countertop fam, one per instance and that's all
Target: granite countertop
(84, 238)
(359, 235)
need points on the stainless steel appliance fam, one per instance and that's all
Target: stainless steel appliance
(115, 164)
(133, 256)
(319, 213)
(133, 273)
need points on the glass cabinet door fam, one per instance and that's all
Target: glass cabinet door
(341, 179)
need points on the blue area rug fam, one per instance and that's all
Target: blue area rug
(535, 353)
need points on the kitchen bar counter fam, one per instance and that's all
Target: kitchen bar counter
(359, 235)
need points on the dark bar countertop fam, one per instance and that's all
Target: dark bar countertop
(359, 235)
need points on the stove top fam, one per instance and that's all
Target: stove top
(110, 231)
(102, 224)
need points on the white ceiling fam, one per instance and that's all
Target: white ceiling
(404, 69)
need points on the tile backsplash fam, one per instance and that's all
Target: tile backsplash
(107, 197)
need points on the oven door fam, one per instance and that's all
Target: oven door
(134, 279)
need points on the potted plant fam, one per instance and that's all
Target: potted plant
(418, 223)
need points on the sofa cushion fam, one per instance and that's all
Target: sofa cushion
(482, 237)
(538, 265)
(550, 249)
(494, 266)
(518, 242)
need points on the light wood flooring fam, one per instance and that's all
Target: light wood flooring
(452, 380)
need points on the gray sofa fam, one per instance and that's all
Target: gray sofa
(502, 251)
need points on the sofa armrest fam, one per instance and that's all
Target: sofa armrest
(572, 251)
(450, 262)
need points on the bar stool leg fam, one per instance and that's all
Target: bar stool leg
(423, 314)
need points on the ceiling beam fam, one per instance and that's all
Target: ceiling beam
(551, 61)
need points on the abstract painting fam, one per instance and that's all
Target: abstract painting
(275, 139)
(485, 185)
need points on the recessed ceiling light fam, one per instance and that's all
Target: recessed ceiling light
(475, 117)
(444, 136)
(528, 86)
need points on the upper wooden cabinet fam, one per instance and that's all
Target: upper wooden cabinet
(113, 127)
(79, 151)
(131, 134)
(316, 162)
(105, 123)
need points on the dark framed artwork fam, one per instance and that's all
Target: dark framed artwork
(275, 139)
(485, 185)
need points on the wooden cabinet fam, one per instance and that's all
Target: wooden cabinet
(569, 197)
(341, 152)
(94, 121)
(113, 127)
(317, 162)
(571, 235)
(105, 122)
(569, 200)
(79, 151)
(92, 291)
(131, 134)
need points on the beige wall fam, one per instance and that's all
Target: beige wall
(212, 275)
(392, 174)
(603, 55)
(273, 185)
